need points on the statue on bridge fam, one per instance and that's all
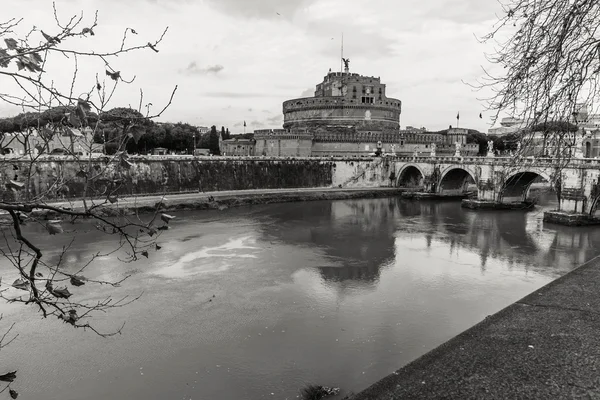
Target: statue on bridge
(415, 153)
(393, 149)
(433, 148)
(457, 147)
(490, 148)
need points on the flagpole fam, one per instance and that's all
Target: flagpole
(342, 55)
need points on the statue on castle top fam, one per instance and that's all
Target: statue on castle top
(433, 148)
(346, 63)
(490, 147)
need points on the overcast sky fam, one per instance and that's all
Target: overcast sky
(238, 60)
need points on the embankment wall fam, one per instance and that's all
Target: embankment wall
(61, 178)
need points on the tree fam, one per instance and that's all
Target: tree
(544, 68)
(227, 134)
(223, 133)
(51, 114)
(480, 138)
(214, 141)
(549, 54)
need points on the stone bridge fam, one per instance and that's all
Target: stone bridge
(500, 180)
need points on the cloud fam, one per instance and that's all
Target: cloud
(460, 11)
(308, 92)
(194, 69)
(256, 124)
(235, 94)
(275, 119)
(263, 9)
(250, 110)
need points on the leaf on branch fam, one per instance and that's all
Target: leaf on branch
(152, 47)
(71, 318)
(163, 228)
(82, 107)
(11, 43)
(54, 227)
(85, 31)
(77, 280)
(74, 120)
(81, 173)
(151, 232)
(14, 185)
(21, 284)
(113, 199)
(133, 31)
(50, 39)
(114, 75)
(4, 58)
(9, 377)
(36, 58)
(47, 134)
(26, 63)
(158, 247)
(13, 393)
(166, 217)
(145, 253)
(39, 275)
(136, 133)
(98, 86)
(61, 293)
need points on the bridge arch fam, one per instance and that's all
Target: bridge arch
(516, 187)
(410, 176)
(454, 181)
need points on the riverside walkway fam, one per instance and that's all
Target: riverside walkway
(198, 200)
(545, 346)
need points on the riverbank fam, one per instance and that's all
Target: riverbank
(544, 346)
(224, 199)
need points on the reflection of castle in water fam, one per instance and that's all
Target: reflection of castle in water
(359, 236)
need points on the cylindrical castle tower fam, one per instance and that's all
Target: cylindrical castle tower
(348, 100)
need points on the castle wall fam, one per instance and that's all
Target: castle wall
(283, 145)
(315, 111)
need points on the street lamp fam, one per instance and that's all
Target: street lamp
(194, 151)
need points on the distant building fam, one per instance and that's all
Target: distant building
(203, 129)
(283, 143)
(507, 125)
(237, 147)
(420, 141)
(74, 140)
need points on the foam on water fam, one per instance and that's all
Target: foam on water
(211, 259)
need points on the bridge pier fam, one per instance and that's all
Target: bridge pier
(578, 199)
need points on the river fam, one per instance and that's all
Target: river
(255, 302)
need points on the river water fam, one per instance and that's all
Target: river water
(255, 302)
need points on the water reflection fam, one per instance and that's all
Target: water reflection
(358, 236)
